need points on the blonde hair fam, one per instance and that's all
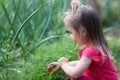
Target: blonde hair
(84, 16)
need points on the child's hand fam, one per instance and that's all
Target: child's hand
(53, 67)
(62, 61)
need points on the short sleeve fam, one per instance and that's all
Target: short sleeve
(92, 53)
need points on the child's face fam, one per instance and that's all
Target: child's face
(75, 36)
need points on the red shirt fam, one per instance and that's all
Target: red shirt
(102, 68)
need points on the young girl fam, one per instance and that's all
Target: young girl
(95, 60)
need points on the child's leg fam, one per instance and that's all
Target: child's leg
(83, 77)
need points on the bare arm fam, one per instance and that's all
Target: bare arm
(75, 71)
(54, 67)
(73, 63)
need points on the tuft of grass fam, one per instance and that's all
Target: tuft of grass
(115, 48)
(25, 25)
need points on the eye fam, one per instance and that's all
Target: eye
(69, 32)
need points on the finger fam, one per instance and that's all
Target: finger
(56, 69)
(53, 70)
(50, 66)
(50, 70)
(53, 63)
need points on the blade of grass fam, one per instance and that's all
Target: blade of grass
(42, 41)
(39, 29)
(2, 53)
(45, 28)
(6, 13)
(16, 8)
(11, 23)
(29, 17)
(14, 19)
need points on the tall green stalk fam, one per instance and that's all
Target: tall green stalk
(23, 25)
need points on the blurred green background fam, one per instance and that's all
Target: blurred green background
(32, 35)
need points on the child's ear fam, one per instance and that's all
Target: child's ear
(84, 32)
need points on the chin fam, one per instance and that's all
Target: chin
(80, 44)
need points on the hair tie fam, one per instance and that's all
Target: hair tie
(74, 5)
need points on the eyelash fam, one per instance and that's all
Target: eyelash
(68, 32)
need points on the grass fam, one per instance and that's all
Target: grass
(18, 20)
(34, 68)
(115, 48)
(66, 47)
(31, 37)
(36, 65)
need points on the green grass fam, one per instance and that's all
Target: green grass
(24, 26)
(31, 37)
(34, 68)
(115, 48)
(66, 47)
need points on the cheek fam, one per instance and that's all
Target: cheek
(73, 37)
(80, 42)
